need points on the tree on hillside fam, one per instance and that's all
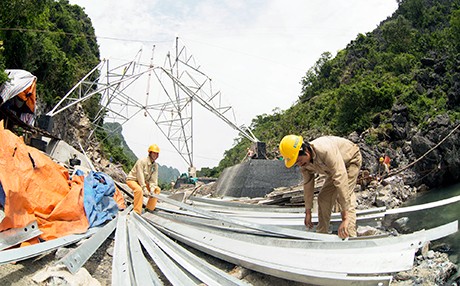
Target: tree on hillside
(3, 75)
(53, 40)
(56, 42)
(411, 59)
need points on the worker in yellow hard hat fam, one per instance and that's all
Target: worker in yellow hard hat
(339, 160)
(143, 179)
(383, 168)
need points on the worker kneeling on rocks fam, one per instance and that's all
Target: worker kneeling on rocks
(143, 179)
(339, 160)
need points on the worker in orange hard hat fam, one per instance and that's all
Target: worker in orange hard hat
(143, 179)
(337, 158)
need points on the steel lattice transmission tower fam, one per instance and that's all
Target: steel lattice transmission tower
(179, 84)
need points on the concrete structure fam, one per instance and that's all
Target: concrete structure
(256, 178)
(61, 151)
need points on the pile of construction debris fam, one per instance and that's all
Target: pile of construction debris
(113, 257)
(188, 209)
(390, 193)
(430, 267)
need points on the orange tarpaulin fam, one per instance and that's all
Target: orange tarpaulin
(37, 188)
(29, 96)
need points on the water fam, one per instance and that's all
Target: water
(430, 218)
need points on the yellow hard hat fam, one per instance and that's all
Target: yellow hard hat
(289, 149)
(381, 159)
(154, 148)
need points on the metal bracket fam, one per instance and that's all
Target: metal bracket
(14, 236)
(22, 253)
(75, 259)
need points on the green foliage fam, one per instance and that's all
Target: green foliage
(165, 186)
(231, 157)
(403, 63)
(53, 40)
(411, 59)
(207, 172)
(310, 82)
(113, 150)
(398, 35)
(92, 107)
(115, 147)
(3, 75)
(454, 31)
(358, 102)
(371, 139)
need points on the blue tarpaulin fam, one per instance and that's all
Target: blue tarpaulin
(2, 195)
(100, 206)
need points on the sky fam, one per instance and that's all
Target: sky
(255, 51)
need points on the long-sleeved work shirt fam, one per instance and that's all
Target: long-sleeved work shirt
(145, 173)
(331, 157)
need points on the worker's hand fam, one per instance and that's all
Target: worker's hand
(307, 221)
(343, 229)
(157, 190)
(146, 192)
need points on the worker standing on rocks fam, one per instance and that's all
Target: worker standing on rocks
(143, 179)
(337, 158)
(383, 168)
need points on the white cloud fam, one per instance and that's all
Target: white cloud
(255, 51)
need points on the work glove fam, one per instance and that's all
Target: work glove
(157, 190)
(145, 191)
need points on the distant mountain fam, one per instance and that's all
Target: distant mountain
(166, 174)
(115, 136)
